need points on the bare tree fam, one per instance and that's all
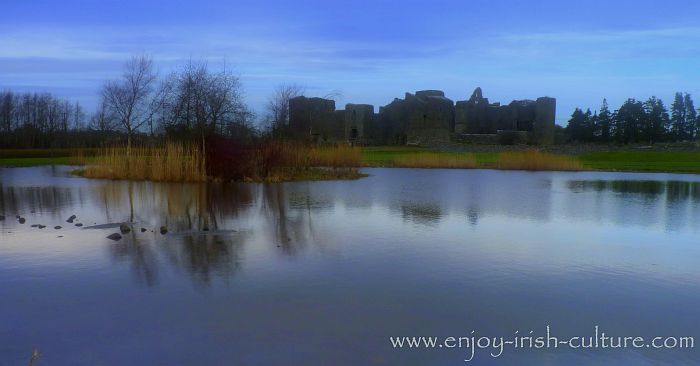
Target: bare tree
(102, 120)
(78, 116)
(132, 98)
(278, 107)
(199, 102)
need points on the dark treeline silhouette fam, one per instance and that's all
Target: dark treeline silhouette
(41, 120)
(191, 103)
(637, 122)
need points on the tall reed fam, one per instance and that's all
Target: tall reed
(536, 160)
(169, 162)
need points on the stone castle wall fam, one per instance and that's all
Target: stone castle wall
(424, 118)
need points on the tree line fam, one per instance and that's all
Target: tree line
(637, 122)
(192, 102)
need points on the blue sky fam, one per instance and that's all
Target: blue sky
(369, 51)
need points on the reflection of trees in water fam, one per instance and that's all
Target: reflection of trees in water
(176, 205)
(23, 200)
(206, 255)
(140, 256)
(643, 202)
(473, 216)
(647, 189)
(292, 228)
(423, 214)
(189, 209)
(676, 191)
(203, 256)
(682, 191)
(198, 211)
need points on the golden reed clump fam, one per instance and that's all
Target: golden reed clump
(536, 160)
(169, 162)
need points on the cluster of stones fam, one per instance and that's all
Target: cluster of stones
(123, 228)
(426, 117)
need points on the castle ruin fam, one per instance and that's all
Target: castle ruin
(424, 118)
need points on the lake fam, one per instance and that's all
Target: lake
(324, 273)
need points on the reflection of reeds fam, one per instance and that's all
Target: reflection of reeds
(436, 160)
(536, 160)
(171, 162)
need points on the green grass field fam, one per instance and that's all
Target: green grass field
(24, 162)
(629, 161)
(35, 157)
(643, 161)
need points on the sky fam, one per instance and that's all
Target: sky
(365, 51)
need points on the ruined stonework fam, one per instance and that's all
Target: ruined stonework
(477, 116)
(358, 123)
(545, 112)
(424, 118)
(431, 117)
(312, 118)
(472, 116)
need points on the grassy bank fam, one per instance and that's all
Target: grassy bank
(643, 161)
(422, 158)
(286, 161)
(37, 157)
(25, 162)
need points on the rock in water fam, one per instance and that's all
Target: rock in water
(35, 225)
(41, 226)
(78, 224)
(71, 218)
(163, 230)
(124, 228)
(143, 229)
(57, 227)
(22, 220)
(115, 236)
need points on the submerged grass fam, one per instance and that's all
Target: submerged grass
(171, 162)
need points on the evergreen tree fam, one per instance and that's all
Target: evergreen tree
(576, 124)
(588, 126)
(678, 117)
(604, 122)
(596, 127)
(629, 120)
(690, 118)
(656, 121)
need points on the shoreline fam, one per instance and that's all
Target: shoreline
(661, 158)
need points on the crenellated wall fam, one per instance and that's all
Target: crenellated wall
(424, 118)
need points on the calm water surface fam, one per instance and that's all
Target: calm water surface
(322, 273)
